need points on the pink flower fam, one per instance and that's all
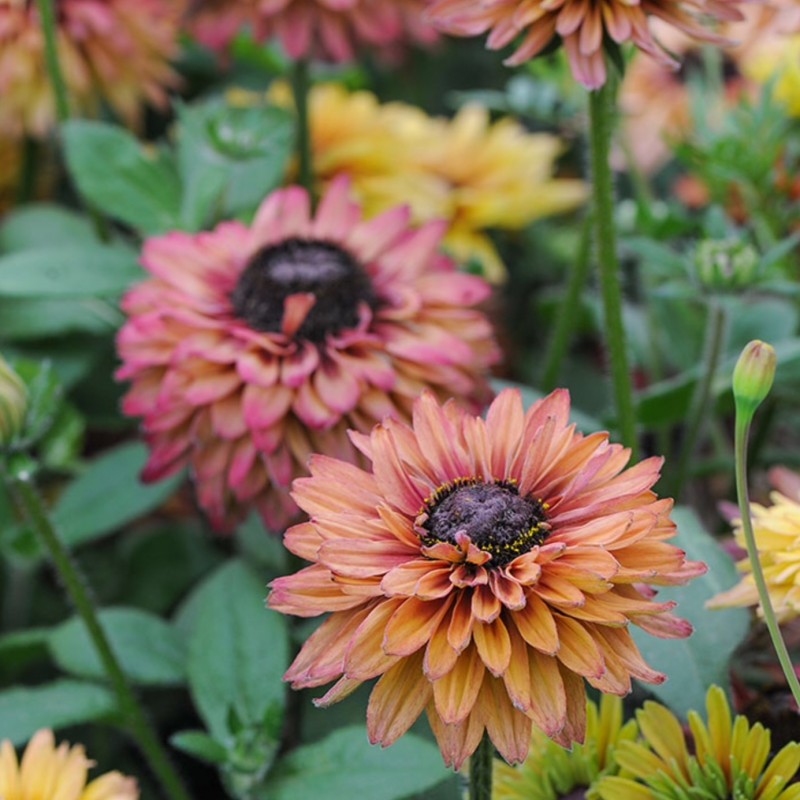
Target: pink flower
(251, 348)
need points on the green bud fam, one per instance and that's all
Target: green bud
(13, 404)
(753, 375)
(726, 264)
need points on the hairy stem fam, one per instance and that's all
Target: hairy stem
(480, 770)
(300, 88)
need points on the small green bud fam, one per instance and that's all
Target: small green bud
(13, 404)
(726, 264)
(753, 375)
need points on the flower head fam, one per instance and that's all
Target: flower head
(47, 772)
(551, 772)
(476, 174)
(754, 375)
(777, 533)
(580, 25)
(730, 758)
(329, 29)
(482, 569)
(13, 403)
(251, 348)
(116, 50)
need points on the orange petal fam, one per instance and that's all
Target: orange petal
(459, 632)
(365, 657)
(549, 700)
(536, 624)
(574, 729)
(455, 694)
(494, 645)
(412, 625)
(518, 676)
(457, 742)
(509, 729)
(578, 651)
(440, 656)
(485, 606)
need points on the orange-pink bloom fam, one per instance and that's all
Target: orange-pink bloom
(581, 25)
(252, 347)
(482, 570)
(115, 50)
(328, 29)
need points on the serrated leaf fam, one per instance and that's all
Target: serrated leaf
(345, 765)
(74, 270)
(693, 664)
(109, 495)
(115, 173)
(238, 650)
(25, 710)
(150, 650)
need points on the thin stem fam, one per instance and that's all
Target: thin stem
(566, 316)
(715, 334)
(48, 18)
(740, 441)
(300, 87)
(480, 770)
(26, 180)
(600, 125)
(75, 584)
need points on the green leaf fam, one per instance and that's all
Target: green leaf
(36, 318)
(24, 710)
(150, 650)
(136, 185)
(693, 664)
(45, 395)
(74, 270)
(43, 225)
(230, 158)
(109, 495)
(238, 650)
(19, 647)
(344, 765)
(199, 745)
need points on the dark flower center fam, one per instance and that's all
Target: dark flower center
(298, 266)
(497, 519)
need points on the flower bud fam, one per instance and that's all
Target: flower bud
(13, 403)
(726, 264)
(753, 375)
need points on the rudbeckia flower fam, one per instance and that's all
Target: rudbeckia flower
(580, 25)
(329, 29)
(47, 772)
(777, 532)
(551, 772)
(483, 570)
(252, 347)
(113, 50)
(730, 758)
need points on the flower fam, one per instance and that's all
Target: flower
(777, 533)
(13, 403)
(475, 173)
(550, 772)
(118, 50)
(47, 772)
(729, 759)
(753, 375)
(580, 25)
(251, 348)
(482, 569)
(328, 29)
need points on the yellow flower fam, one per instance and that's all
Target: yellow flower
(550, 772)
(476, 174)
(730, 758)
(47, 772)
(778, 59)
(777, 533)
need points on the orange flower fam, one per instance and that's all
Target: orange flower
(483, 569)
(582, 26)
(118, 50)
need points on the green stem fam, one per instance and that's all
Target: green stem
(601, 118)
(742, 432)
(48, 18)
(26, 180)
(300, 88)
(567, 315)
(480, 770)
(715, 334)
(140, 727)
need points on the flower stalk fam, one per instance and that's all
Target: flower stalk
(48, 18)
(752, 380)
(300, 88)
(27, 498)
(480, 770)
(601, 117)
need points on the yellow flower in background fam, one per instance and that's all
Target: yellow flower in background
(777, 533)
(730, 758)
(47, 772)
(551, 772)
(473, 172)
(778, 59)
